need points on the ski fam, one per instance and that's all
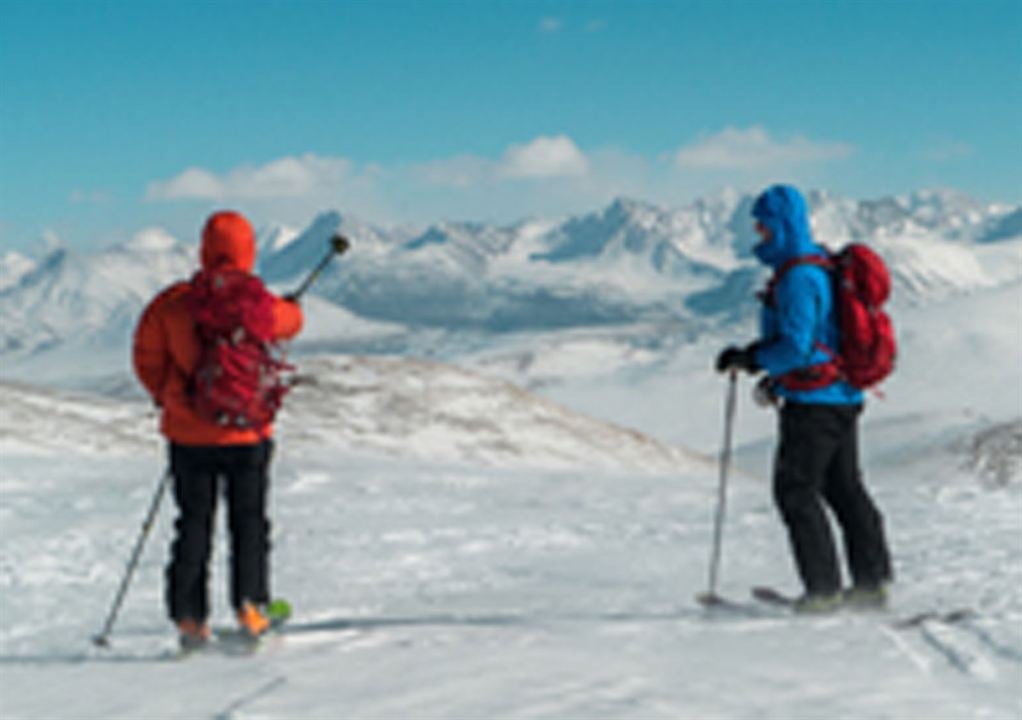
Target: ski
(776, 598)
(714, 603)
(770, 596)
(713, 600)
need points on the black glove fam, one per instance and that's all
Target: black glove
(291, 298)
(734, 357)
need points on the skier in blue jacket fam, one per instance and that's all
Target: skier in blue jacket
(817, 463)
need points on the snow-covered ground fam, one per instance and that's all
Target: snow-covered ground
(475, 584)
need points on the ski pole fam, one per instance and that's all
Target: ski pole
(711, 597)
(103, 638)
(338, 246)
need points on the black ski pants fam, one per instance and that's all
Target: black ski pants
(197, 471)
(817, 467)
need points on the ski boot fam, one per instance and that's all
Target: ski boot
(866, 597)
(252, 620)
(818, 603)
(192, 634)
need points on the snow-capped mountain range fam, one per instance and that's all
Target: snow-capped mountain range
(626, 264)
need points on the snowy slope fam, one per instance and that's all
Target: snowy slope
(13, 267)
(996, 453)
(274, 238)
(441, 413)
(958, 359)
(68, 296)
(364, 406)
(40, 421)
(458, 590)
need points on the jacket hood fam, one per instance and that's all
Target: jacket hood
(228, 241)
(783, 210)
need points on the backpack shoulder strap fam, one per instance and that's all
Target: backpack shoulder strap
(818, 260)
(827, 263)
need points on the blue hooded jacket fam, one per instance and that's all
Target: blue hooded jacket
(802, 314)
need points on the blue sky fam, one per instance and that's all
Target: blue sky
(119, 115)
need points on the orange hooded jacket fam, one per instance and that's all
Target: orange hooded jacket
(166, 347)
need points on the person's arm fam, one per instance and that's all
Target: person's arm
(287, 319)
(150, 352)
(798, 305)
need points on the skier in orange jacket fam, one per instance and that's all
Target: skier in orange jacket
(167, 351)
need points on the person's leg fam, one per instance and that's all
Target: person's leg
(247, 471)
(194, 473)
(862, 525)
(808, 438)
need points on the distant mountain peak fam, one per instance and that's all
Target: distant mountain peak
(624, 204)
(329, 220)
(435, 235)
(624, 210)
(274, 238)
(55, 259)
(13, 267)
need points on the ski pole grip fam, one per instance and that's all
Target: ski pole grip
(340, 244)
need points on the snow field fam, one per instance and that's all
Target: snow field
(445, 590)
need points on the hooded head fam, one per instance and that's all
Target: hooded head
(782, 210)
(228, 241)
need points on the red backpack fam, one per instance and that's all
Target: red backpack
(238, 381)
(867, 348)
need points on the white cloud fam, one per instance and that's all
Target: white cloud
(550, 24)
(285, 177)
(544, 157)
(189, 184)
(754, 148)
